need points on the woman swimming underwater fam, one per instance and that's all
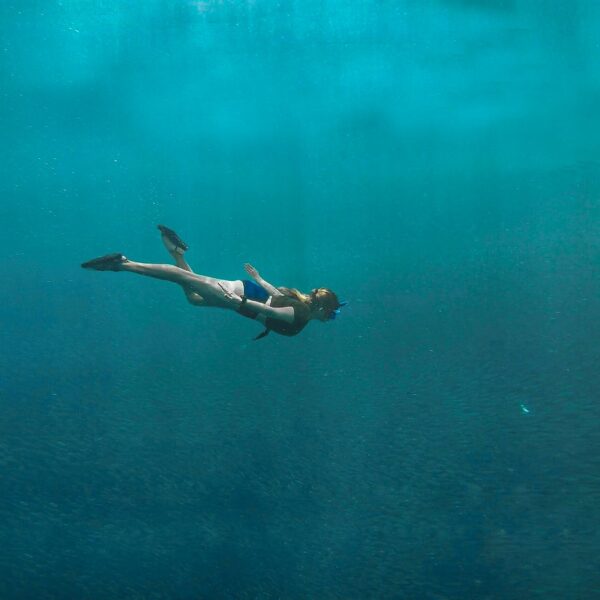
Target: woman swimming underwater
(283, 310)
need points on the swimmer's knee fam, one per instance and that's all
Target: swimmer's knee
(195, 299)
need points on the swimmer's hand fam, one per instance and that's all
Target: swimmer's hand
(251, 271)
(235, 299)
(271, 289)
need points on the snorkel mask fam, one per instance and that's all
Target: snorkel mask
(335, 312)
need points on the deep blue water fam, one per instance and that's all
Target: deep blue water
(434, 162)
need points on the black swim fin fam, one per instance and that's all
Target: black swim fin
(109, 262)
(180, 245)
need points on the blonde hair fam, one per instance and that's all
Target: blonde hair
(294, 293)
(323, 297)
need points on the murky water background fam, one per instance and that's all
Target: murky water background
(437, 164)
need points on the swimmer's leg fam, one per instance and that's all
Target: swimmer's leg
(176, 247)
(208, 288)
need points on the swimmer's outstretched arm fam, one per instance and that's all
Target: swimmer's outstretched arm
(285, 313)
(271, 289)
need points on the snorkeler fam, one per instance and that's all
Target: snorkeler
(283, 310)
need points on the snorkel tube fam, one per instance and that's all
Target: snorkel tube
(336, 311)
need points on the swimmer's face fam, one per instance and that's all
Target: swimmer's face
(322, 310)
(323, 314)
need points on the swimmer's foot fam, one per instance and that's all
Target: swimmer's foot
(109, 262)
(172, 241)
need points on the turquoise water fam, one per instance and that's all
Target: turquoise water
(436, 164)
